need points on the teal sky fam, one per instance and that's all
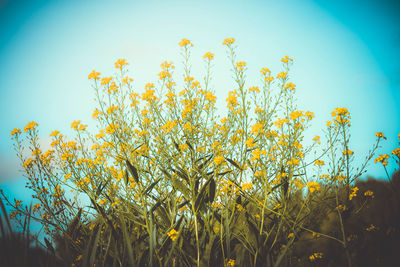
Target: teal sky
(345, 55)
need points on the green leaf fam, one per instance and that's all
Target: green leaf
(158, 203)
(5, 218)
(49, 245)
(223, 173)
(211, 191)
(150, 187)
(177, 147)
(73, 226)
(177, 184)
(127, 242)
(133, 171)
(190, 146)
(161, 211)
(234, 163)
(201, 166)
(91, 246)
(200, 200)
(181, 187)
(181, 173)
(126, 178)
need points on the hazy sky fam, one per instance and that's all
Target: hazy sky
(345, 55)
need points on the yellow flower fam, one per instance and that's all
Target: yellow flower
(168, 126)
(111, 128)
(54, 133)
(210, 97)
(370, 228)
(165, 65)
(218, 160)
(279, 123)
(257, 128)
(396, 152)
(232, 100)
(281, 75)
(36, 152)
(126, 80)
(28, 163)
(195, 84)
(290, 235)
(383, 159)
(250, 142)
(313, 186)
(209, 55)
(185, 42)
(15, 131)
(298, 183)
(105, 80)
(148, 95)
(188, 79)
(247, 186)
(96, 113)
(257, 154)
(183, 146)
(290, 85)
(187, 126)
(100, 134)
(347, 152)
(254, 89)
(353, 193)
(82, 127)
(164, 74)
(286, 59)
(240, 65)
(75, 124)
(239, 207)
(36, 207)
(111, 109)
(94, 75)
(173, 234)
(228, 41)
(120, 63)
(265, 70)
(309, 115)
(269, 79)
(317, 255)
(369, 193)
(295, 114)
(230, 263)
(113, 88)
(380, 135)
(340, 112)
(341, 115)
(319, 163)
(30, 126)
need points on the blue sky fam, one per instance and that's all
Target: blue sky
(346, 55)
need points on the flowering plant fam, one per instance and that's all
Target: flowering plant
(167, 181)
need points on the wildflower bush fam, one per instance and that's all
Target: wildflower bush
(168, 181)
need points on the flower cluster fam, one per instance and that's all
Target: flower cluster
(173, 234)
(342, 116)
(383, 159)
(313, 186)
(228, 41)
(315, 256)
